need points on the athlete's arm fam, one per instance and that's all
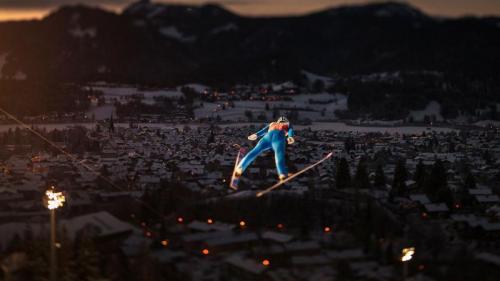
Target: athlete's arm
(290, 138)
(262, 131)
(290, 131)
(259, 134)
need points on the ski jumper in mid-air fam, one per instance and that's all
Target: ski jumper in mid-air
(273, 138)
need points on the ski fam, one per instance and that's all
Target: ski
(233, 184)
(280, 183)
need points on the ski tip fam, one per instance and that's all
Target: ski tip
(259, 194)
(329, 155)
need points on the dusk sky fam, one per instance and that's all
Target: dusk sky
(26, 9)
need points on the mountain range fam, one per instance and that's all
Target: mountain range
(164, 44)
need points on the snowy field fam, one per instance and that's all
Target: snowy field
(316, 107)
(101, 112)
(433, 108)
(335, 126)
(122, 93)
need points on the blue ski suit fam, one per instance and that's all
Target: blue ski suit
(274, 137)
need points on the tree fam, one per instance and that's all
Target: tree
(111, 124)
(343, 174)
(420, 175)
(400, 177)
(249, 115)
(361, 179)
(87, 259)
(436, 180)
(380, 179)
(349, 144)
(318, 86)
(463, 195)
(470, 181)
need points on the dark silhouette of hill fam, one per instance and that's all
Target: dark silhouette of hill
(160, 44)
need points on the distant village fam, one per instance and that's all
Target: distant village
(153, 203)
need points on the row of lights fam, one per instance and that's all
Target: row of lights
(242, 224)
(206, 251)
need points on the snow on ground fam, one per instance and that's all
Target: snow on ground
(433, 108)
(379, 122)
(122, 95)
(486, 123)
(20, 75)
(335, 126)
(309, 106)
(380, 76)
(282, 86)
(228, 27)
(156, 11)
(173, 33)
(101, 112)
(328, 81)
(117, 92)
(79, 32)
(343, 127)
(200, 88)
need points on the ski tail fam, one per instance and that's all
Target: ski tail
(280, 183)
(235, 180)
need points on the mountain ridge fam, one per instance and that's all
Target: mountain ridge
(168, 44)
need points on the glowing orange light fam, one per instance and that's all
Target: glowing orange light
(164, 243)
(327, 229)
(210, 221)
(180, 220)
(242, 223)
(205, 252)
(148, 234)
(280, 225)
(266, 262)
(457, 206)
(424, 215)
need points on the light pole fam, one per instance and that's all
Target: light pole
(407, 255)
(52, 201)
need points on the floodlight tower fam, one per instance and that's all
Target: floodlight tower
(406, 256)
(53, 200)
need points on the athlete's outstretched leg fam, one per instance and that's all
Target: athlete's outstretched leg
(279, 158)
(262, 146)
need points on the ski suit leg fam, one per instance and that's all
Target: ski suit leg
(262, 146)
(278, 145)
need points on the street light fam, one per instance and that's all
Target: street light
(53, 200)
(407, 255)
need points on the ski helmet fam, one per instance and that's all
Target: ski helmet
(282, 119)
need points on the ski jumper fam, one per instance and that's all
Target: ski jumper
(274, 137)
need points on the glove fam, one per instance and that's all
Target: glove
(290, 140)
(252, 137)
